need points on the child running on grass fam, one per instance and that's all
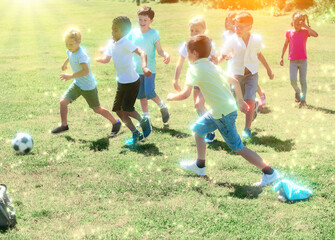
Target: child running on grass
(296, 40)
(197, 26)
(121, 50)
(230, 31)
(84, 83)
(213, 85)
(148, 40)
(245, 51)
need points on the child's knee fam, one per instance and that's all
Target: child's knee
(64, 102)
(98, 110)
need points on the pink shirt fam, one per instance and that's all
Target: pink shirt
(297, 44)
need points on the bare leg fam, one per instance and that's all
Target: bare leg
(126, 119)
(250, 114)
(259, 91)
(144, 105)
(106, 114)
(201, 147)
(157, 100)
(252, 157)
(135, 115)
(63, 110)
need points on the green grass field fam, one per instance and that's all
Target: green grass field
(84, 185)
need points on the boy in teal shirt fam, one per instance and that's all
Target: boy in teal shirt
(211, 81)
(148, 39)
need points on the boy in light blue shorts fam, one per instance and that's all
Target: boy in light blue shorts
(212, 82)
(148, 39)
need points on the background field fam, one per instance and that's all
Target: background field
(84, 185)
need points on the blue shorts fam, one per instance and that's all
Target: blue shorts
(147, 87)
(226, 126)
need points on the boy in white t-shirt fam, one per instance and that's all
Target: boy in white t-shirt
(121, 50)
(245, 49)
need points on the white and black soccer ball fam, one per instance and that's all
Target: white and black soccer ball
(22, 143)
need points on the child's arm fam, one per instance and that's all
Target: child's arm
(177, 73)
(283, 51)
(223, 57)
(105, 59)
(64, 66)
(83, 72)
(185, 93)
(262, 59)
(311, 32)
(243, 106)
(160, 51)
(143, 56)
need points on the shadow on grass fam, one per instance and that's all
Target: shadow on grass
(271, 141)
(242, 191)
(264, 110)
(320, 109)
(220, 145)
(172, 132)
(97, 145)
(147, 149)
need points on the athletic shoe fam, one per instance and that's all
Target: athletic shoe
(146, 126)
(165, 114)
(268, 179)
(256, 110)
(210, 137)
(297, 97)
(137, 137)
(192, 166)
(302, 104)
(246, 133)
(116, 128)
(60, 129)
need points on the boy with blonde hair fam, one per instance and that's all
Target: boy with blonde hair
(245, 49)
(84, 83)
(213, 85)
(128, 82)
(148, 39)
(197, 25)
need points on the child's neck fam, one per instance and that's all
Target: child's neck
(145, 30)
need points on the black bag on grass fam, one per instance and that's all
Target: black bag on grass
(7, 213)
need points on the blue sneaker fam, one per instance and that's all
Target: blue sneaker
(210, 137)
(116, 128)
(137, 137)
(246, 133)
(146, 126)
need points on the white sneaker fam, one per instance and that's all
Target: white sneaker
(267, 179)
(192, 166)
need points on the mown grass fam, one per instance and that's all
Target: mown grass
(85, 185)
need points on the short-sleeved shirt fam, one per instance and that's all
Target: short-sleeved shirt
(122, 54)
(243, 56)
(86, 82)
(213, 84)
(183, 50)
(297, 44)
(145, 41)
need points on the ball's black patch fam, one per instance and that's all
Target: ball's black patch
(24, 140)
(16, 147)
(27, 150)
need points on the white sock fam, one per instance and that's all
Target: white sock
(162, 104)
(145, 114)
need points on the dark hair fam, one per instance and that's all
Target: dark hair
(146, 11)
(201, 44)
(244, 17)
(123, 23)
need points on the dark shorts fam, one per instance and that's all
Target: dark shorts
(126, 96)
(91, 96)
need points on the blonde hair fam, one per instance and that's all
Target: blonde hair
(72, 33)
(199, 21)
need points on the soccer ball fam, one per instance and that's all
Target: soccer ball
(22, 143)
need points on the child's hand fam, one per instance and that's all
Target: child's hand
(166, 58)
(64, 67)
(99, 59)
(65, 76)
(271, 75)
(102, 50)
(214, 60)
(176, 85)
(243, 106)
(146, 71)
(170, 96)
(281, 62)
